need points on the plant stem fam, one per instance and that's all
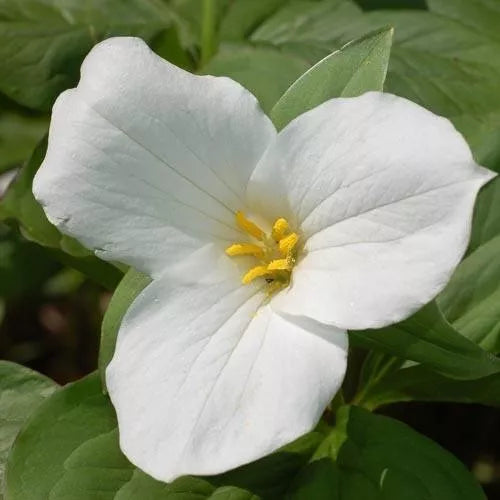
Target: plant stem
(360, 399)
(208, 22)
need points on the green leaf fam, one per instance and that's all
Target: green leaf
(143, 486)
(381, 458)
(264, 71)
(416, 383)
(20, 204)
(79, 458)
(436, 61)
(309, 22)
(21, 391)
(486, 221)
(471, 300)
(270, 476)
(66, 420)
(43, 42)
(243, 16)
(130, 286)
(19, 134)
(480, 15)
(232, 493)
(356, 68)
(429, 339)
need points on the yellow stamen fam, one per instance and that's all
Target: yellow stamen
(244, 249)
(287, 244)
(280, 227)
(255, 272)
(280, 265)
(248, 226)
(275, 252)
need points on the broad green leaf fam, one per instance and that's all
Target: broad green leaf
(266, 72)
(130, 286)
(243, 16)
(43, 42)
(482, 133)
(471, 301)
(95, 469)
(416, 383)
(79, 458)
(309, 22)
(429, 339)
(98, 470)
(392, 4)
(383, 459)
(143, 486)
(168, 46)
(486, 221)
(480, 15)
(356, 68)
(19, 134)
(270, 476)
(20, 204)
(232, 493)
(62, 423)
(442, 64)
(386, 379)
(21, 391)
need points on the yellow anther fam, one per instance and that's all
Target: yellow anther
(280, 265)
(255, 272)
(275, 252)
(244, 249)
(248, 226)
(287, 244)
(280, 227)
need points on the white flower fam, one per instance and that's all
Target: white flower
(184, 178)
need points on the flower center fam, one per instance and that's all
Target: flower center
(275, 252)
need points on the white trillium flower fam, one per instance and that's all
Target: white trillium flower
(263, 248)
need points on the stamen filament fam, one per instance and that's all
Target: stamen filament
(255, 272)
(248, 226)
(245, 249)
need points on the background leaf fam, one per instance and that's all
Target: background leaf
(81, 413)
(381, 458)
(42, 42)
(357, 67)
(21, 391)
(428, 338)
(251, 66)
(79, 458)
(130, 286)
(19, 134)
(417, 383)
(20, 204)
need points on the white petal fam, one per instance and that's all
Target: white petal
(382, 192)
(203, 383)
(147, 163)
